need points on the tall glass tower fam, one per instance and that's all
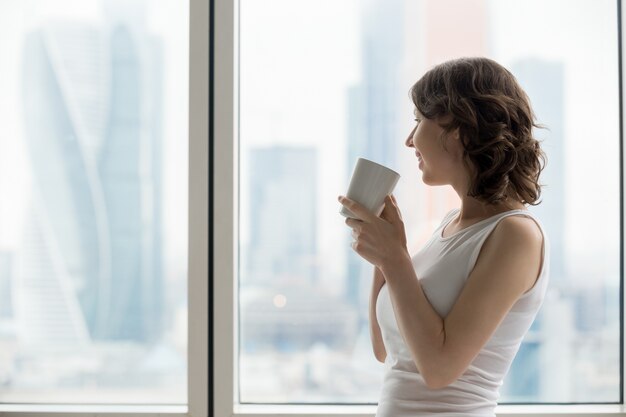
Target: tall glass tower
(93, 248)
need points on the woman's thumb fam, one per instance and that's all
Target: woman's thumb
(390, 212)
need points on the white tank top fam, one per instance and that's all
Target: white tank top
(442, 266)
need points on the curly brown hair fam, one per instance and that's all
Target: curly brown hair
(495, 122)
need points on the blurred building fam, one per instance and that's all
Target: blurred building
(544, 82)
(91, 259)
(6, 286)
(283, 221)
(282, 255)
(295, 317)
(528, 379)
(373, 114)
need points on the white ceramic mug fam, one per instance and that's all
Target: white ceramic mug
(369, 185)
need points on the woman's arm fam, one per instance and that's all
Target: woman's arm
(377, 339)
(442, 349)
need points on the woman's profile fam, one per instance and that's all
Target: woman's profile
(448, 320)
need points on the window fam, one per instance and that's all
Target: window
(94, 259)
(311, 100)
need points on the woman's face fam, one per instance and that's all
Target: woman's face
(438, 165)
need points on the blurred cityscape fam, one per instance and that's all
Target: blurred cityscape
(86, 315)
(303, 342)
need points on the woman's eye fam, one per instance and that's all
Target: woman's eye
(417, 120)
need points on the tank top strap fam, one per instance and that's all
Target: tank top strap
(491, 222)
(545, 256)
(448, 217)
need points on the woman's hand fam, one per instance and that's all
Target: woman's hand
(379, 240)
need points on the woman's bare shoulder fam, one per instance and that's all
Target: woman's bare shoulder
(520, 234)
(520, 227)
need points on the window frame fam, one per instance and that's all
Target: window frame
(225, 180)
(198, 339)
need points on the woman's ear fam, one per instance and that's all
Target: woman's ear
(456, 134)
(456, 143)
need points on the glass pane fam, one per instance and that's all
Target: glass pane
(93, 174)
(325, 82)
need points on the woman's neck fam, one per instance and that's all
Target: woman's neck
(473, 209)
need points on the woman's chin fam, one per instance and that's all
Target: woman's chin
(425, 179)
(430, 181)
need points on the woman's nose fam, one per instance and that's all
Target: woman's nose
(409, 139)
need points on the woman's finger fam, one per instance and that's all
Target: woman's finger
(353, 223)
(395, 203)
(390, 211)
(363, 213)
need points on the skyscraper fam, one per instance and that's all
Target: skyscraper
(283, 222)
(60, 252)
(130, 167)
(543, 81)
(373, 114)
(94, 137)
(6, 285)
(527, 379)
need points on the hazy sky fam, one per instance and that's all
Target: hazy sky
(167, 19)
(297, 61)
(299, 58)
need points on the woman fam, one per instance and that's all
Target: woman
(448, 321)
